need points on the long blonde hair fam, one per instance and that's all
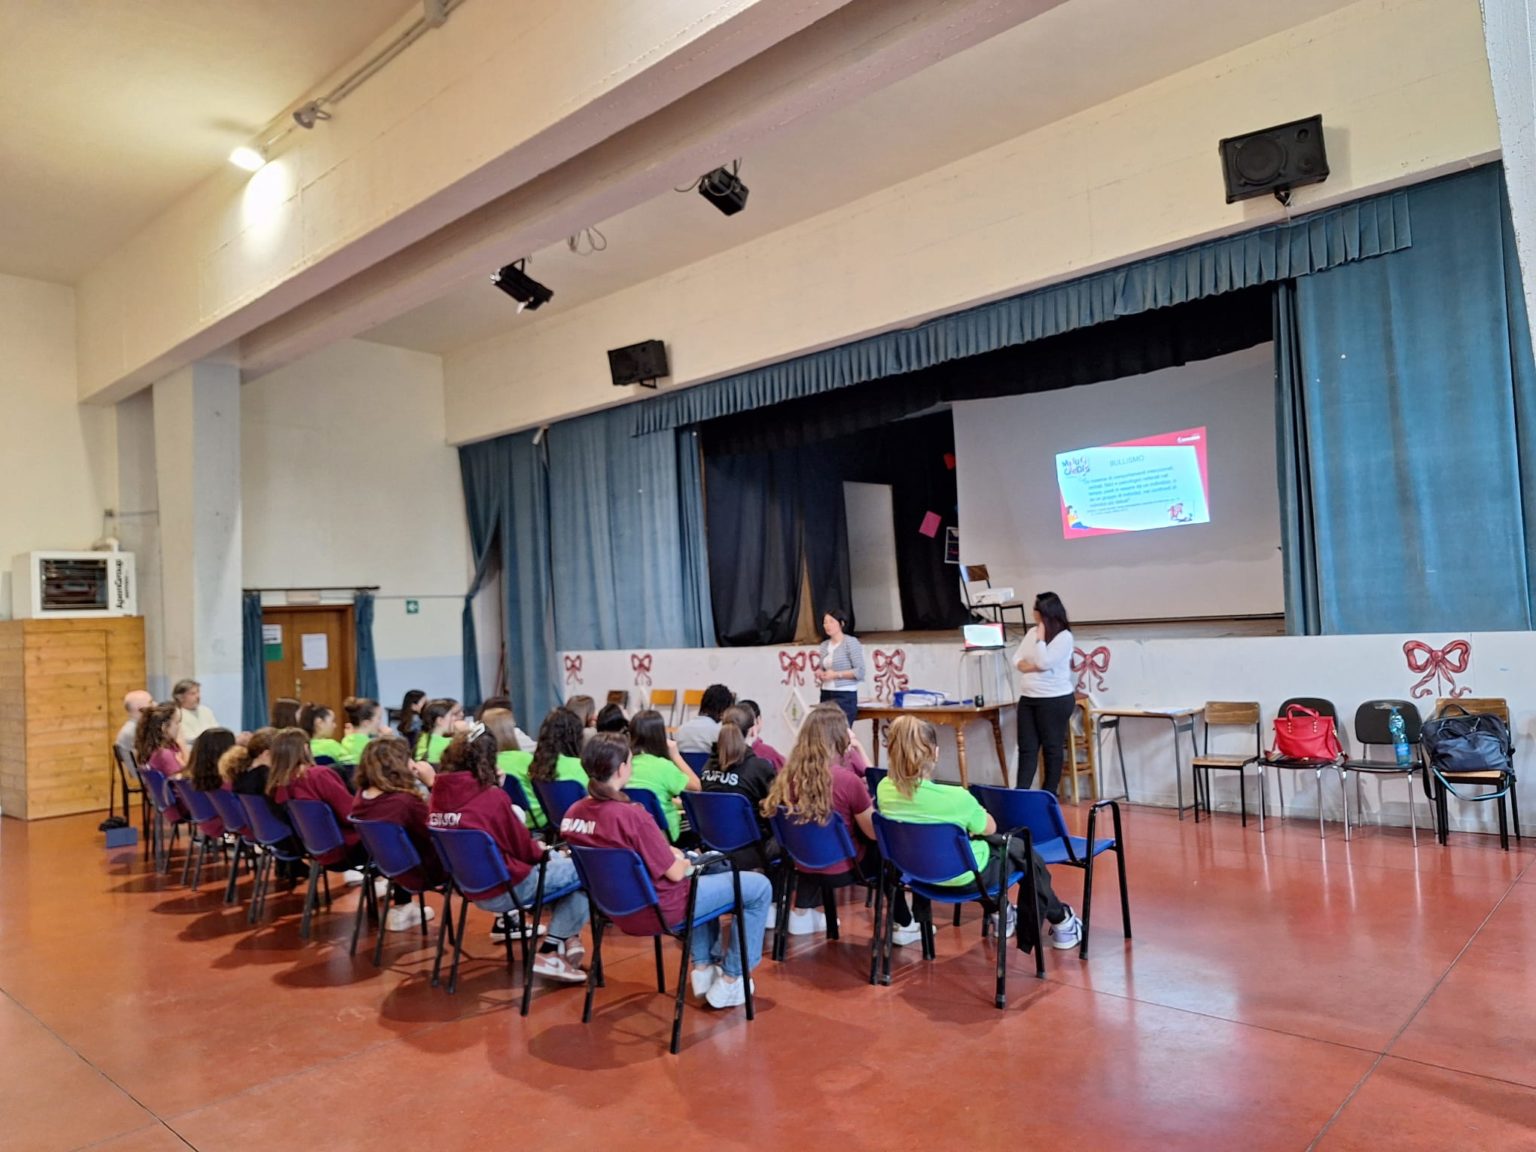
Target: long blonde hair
(914, 747)
(803, 786)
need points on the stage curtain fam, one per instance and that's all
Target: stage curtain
(698, 618)
(253, 665)
(623, 545)
(1416, 393)
(362, 626)
(506, 497)
(1327, 239)
(755, 552)
(1293, 464)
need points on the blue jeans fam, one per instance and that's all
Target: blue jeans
(566, 916)
(756, 900)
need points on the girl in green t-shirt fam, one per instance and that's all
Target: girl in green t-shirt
(908, 793)
(439, 721)
(365, 721)
(557, 755)
(319, 724)
(512, 761)
(658, 767)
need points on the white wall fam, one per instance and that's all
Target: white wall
(60, 458)
(1010, 507)
(1402, 86)
(348, 481)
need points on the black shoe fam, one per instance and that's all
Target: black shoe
(511, 924)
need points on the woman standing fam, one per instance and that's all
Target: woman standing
(1046, 698)
(841, 674)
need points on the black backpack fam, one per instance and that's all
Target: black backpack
(1457, 744)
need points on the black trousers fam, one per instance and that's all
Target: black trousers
(1043, 722)
(847, 701)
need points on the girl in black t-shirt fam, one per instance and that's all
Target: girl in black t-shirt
(734, 767)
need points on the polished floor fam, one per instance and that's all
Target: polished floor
(1281, 993)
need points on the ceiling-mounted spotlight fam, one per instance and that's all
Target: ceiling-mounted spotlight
(308, 115)
(523, 288)
(723, 188)
(248, 156)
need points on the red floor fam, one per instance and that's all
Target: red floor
(1281, 993)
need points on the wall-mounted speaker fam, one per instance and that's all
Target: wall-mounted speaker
(1274, 160)
(643, 363)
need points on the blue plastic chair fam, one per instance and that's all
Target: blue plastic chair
(1040, 812)
(618, 885)
(167, 816)
(392, 854)
(920, 857)
(726, 823)
(270, 829)
(320, 833)
(474, 864)
(695, 760)
(555, 796)
(203, 812)
(809, 848)
(238, 825)
(652, 804)
(513, 787)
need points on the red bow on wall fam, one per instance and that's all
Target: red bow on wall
(573, 670)
(1088, 666)
(793, 666)
(640, 663)
(1437, 664)
(889, 677)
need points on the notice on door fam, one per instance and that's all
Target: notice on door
(272, 641)
(315, 648)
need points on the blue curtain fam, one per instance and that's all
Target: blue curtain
(1412, 425)
(1298, 547)
(626, 536)
(1327, 239)
(506, 498)
(367, 665)
(253, 665)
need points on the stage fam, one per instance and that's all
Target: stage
(1146, 666)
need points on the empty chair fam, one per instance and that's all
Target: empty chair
(921, 858)
(1441, 783)
(1373, 727)
(130, 784)
(619, 887)
(392, 855)
(664, 700)
(1317, 766)
(983, 599)
(692, 698)
(1228, 714)
(1040, 813)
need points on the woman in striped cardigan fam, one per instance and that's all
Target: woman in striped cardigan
(841, 674)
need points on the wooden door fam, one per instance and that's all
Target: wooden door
(314, 657)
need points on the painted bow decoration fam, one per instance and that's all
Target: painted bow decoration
(1090, 667)
(793, 665)
(1438, 665)
(640, 664)
(573, 670)
(889, 675)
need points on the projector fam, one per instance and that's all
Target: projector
(990, 596)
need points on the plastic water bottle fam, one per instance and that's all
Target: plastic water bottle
(1399, 732)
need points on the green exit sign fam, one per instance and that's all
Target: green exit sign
(412, 607)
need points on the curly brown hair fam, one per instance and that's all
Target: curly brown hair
(385, 766)
(473, 754)
(804, 786)
(154, 731)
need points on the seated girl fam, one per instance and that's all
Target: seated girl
(659, 768)
(202, 771)
(294, 775)
(285, 712)
(440, 719)
(512, 761)
(557, 755)
(365, 722)
(245, 768)
(734, 767)
(761, 747)
(611, 718)
(157, 744)
(467, 794)
(319, 724)
(390, 793)
(606, 818)
(504, 704)
(909, 793)
(814, 785)
(585, 710)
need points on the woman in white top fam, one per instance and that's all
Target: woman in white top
(841, 674)
(1046, 698)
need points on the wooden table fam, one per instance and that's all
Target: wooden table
(1181, 720)
(954, 716)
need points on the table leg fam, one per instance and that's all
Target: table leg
(965, 780)
(1002, 756)
(874, 736)
(1178, 774)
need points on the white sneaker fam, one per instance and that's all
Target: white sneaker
(353, 877)
(728, 993)
(807, 921)
(556, 966)
(1069, 933)
(404, 917)
(702, 979)
(1012, 922)
(381, 887)
(904, 934)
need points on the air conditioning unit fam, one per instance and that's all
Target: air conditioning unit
(62, 585)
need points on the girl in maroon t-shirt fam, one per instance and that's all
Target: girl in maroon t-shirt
(813, 785)
(294, 775)
(606, 818)
(392, 794)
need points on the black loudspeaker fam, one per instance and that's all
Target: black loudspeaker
(643, 363)
(1274, 160)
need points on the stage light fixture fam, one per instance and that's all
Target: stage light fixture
(248, 157)
(308, 115)
(523, 288)
(723, 188)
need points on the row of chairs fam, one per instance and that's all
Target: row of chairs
(1372, 730)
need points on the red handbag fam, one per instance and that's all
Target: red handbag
(1302, 734)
